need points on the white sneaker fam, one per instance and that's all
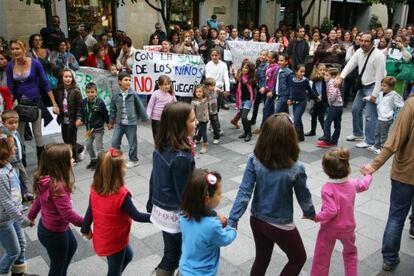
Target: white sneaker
(221, 132)
(131, 164)
(377, 151)
(372, 148)
(81, 155)
(354, 138)
(216, 141)
(363, 145)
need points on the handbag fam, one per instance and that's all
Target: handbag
(393, 67)
(53, 82)
(407, 72)
(358, 80)
(28, 110)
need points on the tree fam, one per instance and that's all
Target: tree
(296, 8)
(391, 6)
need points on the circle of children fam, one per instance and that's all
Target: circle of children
(182, 197)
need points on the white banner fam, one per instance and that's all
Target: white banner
(185, 71)
(152, 48)
(241, 50)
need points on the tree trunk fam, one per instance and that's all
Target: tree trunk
(390, 13)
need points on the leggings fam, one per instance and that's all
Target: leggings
(36, 128)
(265, 236)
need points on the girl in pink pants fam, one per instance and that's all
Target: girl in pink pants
(337, 214)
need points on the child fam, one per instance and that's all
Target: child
(69, 100)
(210, 85)
(283, 77)
(298, 97)
(244, 98)
(110, 210)
(94, 116)
(271, 175)
(388, 104)
(321, 103)
(203, 230)
(261, 83)
(161, 97)
(12, 219)
(10, 120)
(200, 107)
(337, 213)
(173, 164)
(335, 109)
(126, 109)
(236, 76)
(53, 185)
(113, 79)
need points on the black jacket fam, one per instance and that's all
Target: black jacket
(96, 117)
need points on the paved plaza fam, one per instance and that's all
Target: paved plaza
(229, 158)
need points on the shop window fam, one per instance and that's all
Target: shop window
(95, 13)
(248, 13)
(181, 13)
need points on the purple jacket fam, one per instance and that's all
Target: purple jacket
(30, 88)
(56, 210)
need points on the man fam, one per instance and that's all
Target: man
(87, 37)
(204, 32)
(51, 35)
(246, 35)
(79, 49)
(234, 35)
(401, 143)
(212, 22)
(298, 49)
(371, 84)
(388, 33)
(158, 31)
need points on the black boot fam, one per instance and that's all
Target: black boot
(310, 133)
(301, 135)
(39, 151)
(247, 127)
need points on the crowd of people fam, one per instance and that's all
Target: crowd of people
(374, 68)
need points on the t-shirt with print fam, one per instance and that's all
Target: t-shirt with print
(212, 103)
(65, 108)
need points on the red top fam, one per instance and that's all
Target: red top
(91, 61)
(7, 97)
(111, 226)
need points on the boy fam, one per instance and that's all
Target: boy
(388, 104)
(126, 109)
(113, 79)
(94, 116)
(10, 120)
(210, 85)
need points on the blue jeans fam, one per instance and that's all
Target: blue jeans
(202, 132)
(334, 115)
(371, 115)
(13, 241)
(298, 110)
(268, 109)
(172, 251)
(60, 247)
(281, 105)
(119, 261)
(401, 197)
(131, 134)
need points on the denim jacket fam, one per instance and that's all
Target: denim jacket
(134, 107)
(261, 74)
(285, 76)
(170, 173)
(272, 193)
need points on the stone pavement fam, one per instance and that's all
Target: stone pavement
(229, 159)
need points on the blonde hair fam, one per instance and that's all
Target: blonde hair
(109, 176)
(9, 114)
(21, 44)
(316, 76)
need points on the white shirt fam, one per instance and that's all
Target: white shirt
(387, 105)
(90, 41)
(374, 71)
(220, 73)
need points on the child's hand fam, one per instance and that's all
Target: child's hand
(78, 123)
(32, 223)
(319, 99)
(312, 219)
(110, 126)
(88, 236)
(290, 102)
(226, 93)
(223, 220)
(269, 94)
(372, 99)
(262, 90)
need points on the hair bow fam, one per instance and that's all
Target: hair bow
(113, 151)
(211, 179)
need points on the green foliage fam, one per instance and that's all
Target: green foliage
(326, 25)
(374, 22)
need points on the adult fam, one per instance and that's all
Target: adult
(370, 86)
(264, 29)
(347, 42)
(86, 35)
(380, 34)
(79, 49)
(255, 35)
(349, 87)
(400, 143)
(298, 48)
(25, 80)
(154, 39)
(388, 34)
(271, 175)
(210, 44)
(109, 49)
(313, 46)
(355, 32)
(98, 58)
(340, 34)
(197, 36)
(234, 35)
(38, 52)
(246, 35)
(61, 58)
(331, 50)
(263, 37)
(166, 47)
(186, 47)
(51, 35)
(212, 22)
(174, 38)
(204, 32)
(158, 31)
(125, 60)
(277, 35)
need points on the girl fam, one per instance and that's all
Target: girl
(244, 98)
(298, 96)
(200, 106)
(203, 230)
(273, 173)
(261, 67)
(173, 164)
(161, 97)
(53, 185)
(321, 102)
(12, 236)
(110, 210)
(335, 109)
(69, 100)
(337, 213)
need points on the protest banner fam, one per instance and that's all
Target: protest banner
(152, 48)
(241, 50)
(185, 71)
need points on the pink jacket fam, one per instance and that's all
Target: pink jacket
(56, 211)
(270, 77)
(338, 200)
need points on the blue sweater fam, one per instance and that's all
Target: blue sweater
(201, 242)
(299, 89)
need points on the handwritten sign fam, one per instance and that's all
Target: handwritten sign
(185, 71)
(152, 48)
(241, 50)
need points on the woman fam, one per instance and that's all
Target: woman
(331, 50)
(125, 60)
(186, 47)
(263, 37)
(256, 35)
(154, 39)
(174, 38)
(279, 34)
(210, 43)
(355, 32)
(347, 42)
(264, 29)
(98, 59)
(37, 51)
(25, 80)
(380, 34)
(271, 176)
(166, 47)
(61, 58)
(340, 34)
